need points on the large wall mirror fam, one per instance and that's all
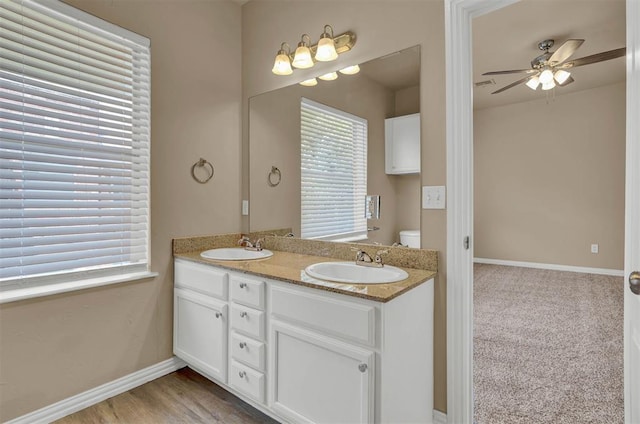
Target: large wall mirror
(279, 137)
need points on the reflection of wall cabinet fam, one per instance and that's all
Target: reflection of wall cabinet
(306, 355)
(402, 144)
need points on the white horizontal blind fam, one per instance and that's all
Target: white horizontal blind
(74, 144)
(333, 173)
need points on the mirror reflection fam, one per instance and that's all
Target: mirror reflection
(340, 160)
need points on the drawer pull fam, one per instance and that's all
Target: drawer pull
(243, 285)
(218, 314)
(242, 374)
(362, 367)
(242, 345)
(243, 314)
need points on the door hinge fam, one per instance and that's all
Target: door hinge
(466, 242)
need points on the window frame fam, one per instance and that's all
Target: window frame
(18, 288)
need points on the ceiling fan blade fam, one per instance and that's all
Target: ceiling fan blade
(565, 51)
(598, 57)
(514, 71)
(513, 84)
(567, 82)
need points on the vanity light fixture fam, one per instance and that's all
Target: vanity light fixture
(310, 82)
(350, 70)
(282, 64)
(329, 77)
(327, 49)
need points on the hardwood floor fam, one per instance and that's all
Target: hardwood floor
(183, 396)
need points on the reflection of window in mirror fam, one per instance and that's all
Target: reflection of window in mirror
(333, 173)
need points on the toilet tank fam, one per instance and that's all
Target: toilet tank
(410, 238)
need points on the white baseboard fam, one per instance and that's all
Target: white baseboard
(555, 267)
(98, 394)
(439, 417)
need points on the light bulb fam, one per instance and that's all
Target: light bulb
(350, 70)
(533, 82)
(329, 77)
(548, 85)
(326, 50)
(310, 82)
(561, 76)
(544, 77)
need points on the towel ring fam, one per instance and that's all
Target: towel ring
(202, 163)
(276, 175)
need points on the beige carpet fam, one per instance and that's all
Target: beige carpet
(547, 346)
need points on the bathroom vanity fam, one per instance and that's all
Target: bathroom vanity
(305, 350)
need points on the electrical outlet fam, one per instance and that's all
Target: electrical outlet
(594, 248)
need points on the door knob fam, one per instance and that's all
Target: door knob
(634, 282)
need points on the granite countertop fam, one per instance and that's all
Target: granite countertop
(289, 267)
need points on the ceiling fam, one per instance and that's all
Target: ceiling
(396, 70)
(508, 39)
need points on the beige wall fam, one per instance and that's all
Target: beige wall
(382, 27)
(549, 179)
(57, 346)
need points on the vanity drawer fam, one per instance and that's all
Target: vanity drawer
(201, 278)
(247, 291)
(247, 381)
(349, 320)
(248, 321)
(248, 351)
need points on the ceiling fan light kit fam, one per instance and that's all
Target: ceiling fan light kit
(551, 68)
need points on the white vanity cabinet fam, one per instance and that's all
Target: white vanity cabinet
(306, 355)
(200, 316)
(402, 144)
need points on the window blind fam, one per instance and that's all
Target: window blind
(74, 144)
(333, 173)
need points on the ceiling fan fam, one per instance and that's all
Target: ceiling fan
(551, 69)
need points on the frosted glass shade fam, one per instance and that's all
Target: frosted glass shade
(326, 50)
(546, 76)
(282, 65)
(302, 58)
(561, 76)
(329, 77)
(350, 70)
(533, 82)
(310, 82)
(548, 85)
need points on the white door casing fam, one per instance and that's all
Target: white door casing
(458, 17)
(632, 218)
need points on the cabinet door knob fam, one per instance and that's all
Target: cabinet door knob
(243, 314)
(242, 345)
(242, 374)
(362, 367)
(218, 314)
(243, 285)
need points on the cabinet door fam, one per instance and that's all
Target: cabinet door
(317, 379)
(200, 332)
(402, 144)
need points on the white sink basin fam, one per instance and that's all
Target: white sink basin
(235, 254)
(349, 272)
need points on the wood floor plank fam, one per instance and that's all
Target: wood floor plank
(180, 397)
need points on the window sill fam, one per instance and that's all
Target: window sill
(14, 295)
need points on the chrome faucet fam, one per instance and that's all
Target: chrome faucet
(248, 245)
(364, 259)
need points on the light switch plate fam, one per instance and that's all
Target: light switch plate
(433, 197)
(245, 207)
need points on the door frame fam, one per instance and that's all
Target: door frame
(459, 142)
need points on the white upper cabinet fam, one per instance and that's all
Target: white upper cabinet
(402, 144)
